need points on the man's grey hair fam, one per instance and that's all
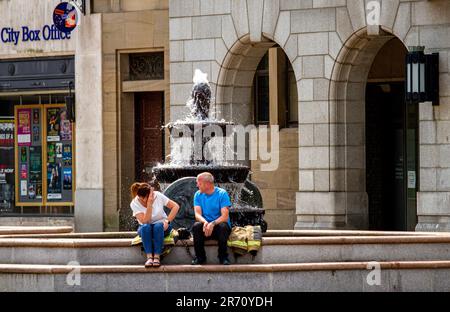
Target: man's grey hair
(206, 176)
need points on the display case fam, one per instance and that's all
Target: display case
(44, 147)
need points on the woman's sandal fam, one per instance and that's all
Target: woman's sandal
(156, 262)
(149, 262)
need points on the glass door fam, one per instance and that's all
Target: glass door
(412, 164)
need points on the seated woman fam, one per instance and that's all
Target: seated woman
(148, 208)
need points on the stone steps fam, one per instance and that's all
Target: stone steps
(34, 230)
(328, 276)
(269, 233)
(275, 250)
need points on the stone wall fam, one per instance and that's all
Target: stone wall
(103, 156)
(278, 188)
(89, 127)
(124, 33)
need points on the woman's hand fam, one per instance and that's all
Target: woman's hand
(166, 225)
(150, 200)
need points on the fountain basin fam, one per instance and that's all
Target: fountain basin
(221, 173)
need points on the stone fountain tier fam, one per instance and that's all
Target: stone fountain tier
(194, 124)
(221, 173)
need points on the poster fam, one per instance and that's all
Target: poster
(51, 153)
(2, 178)
(67, 155)
(54, 196)
(54, 179)
(23, 171)
(67, 181)
(52, 125)
(35, 165)
(24, 127)
(6, 133)
(66, 129)
(32, 191)
(23, 188)
(7, 160)
(23, 154)
(411, 179)
(36, 117)
(58, 150)
(36, 134)
(39, 190)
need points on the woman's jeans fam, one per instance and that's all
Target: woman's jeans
(152, 236)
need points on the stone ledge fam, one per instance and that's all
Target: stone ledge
(265, 268)
(12, 230)
(266, 241)
(269, 233)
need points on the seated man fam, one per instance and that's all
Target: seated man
(211, 206)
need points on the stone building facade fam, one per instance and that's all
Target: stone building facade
(109, 37)
(331, 45)
(328, 64)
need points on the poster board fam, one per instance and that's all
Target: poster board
(44, 158)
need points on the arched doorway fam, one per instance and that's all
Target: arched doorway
(257, 85)
(391, 143)
(373, 133)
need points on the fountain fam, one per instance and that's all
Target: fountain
(198, 146)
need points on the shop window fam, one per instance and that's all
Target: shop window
(37, 156)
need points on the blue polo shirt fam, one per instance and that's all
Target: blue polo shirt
(211, 204)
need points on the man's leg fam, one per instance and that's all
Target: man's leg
(221, 232)
(199, 241)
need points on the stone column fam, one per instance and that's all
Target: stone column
(431, 20)
(89, 130)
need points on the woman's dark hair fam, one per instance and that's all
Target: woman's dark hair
(155, 184)
(140, 189)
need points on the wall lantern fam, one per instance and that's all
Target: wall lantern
(70, 103)
(422, 76)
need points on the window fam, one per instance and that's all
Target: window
(36, 156)
(288, 95)
(292, 94)
(261, 90)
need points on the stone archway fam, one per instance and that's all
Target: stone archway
(347, 124)
(235, 101)
(235, 78)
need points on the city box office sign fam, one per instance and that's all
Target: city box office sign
(11, 35)
(44, 157)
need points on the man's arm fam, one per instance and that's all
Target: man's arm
(223, 218)
(224, 212)
(199, 215)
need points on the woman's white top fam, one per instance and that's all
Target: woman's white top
(158, 213)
